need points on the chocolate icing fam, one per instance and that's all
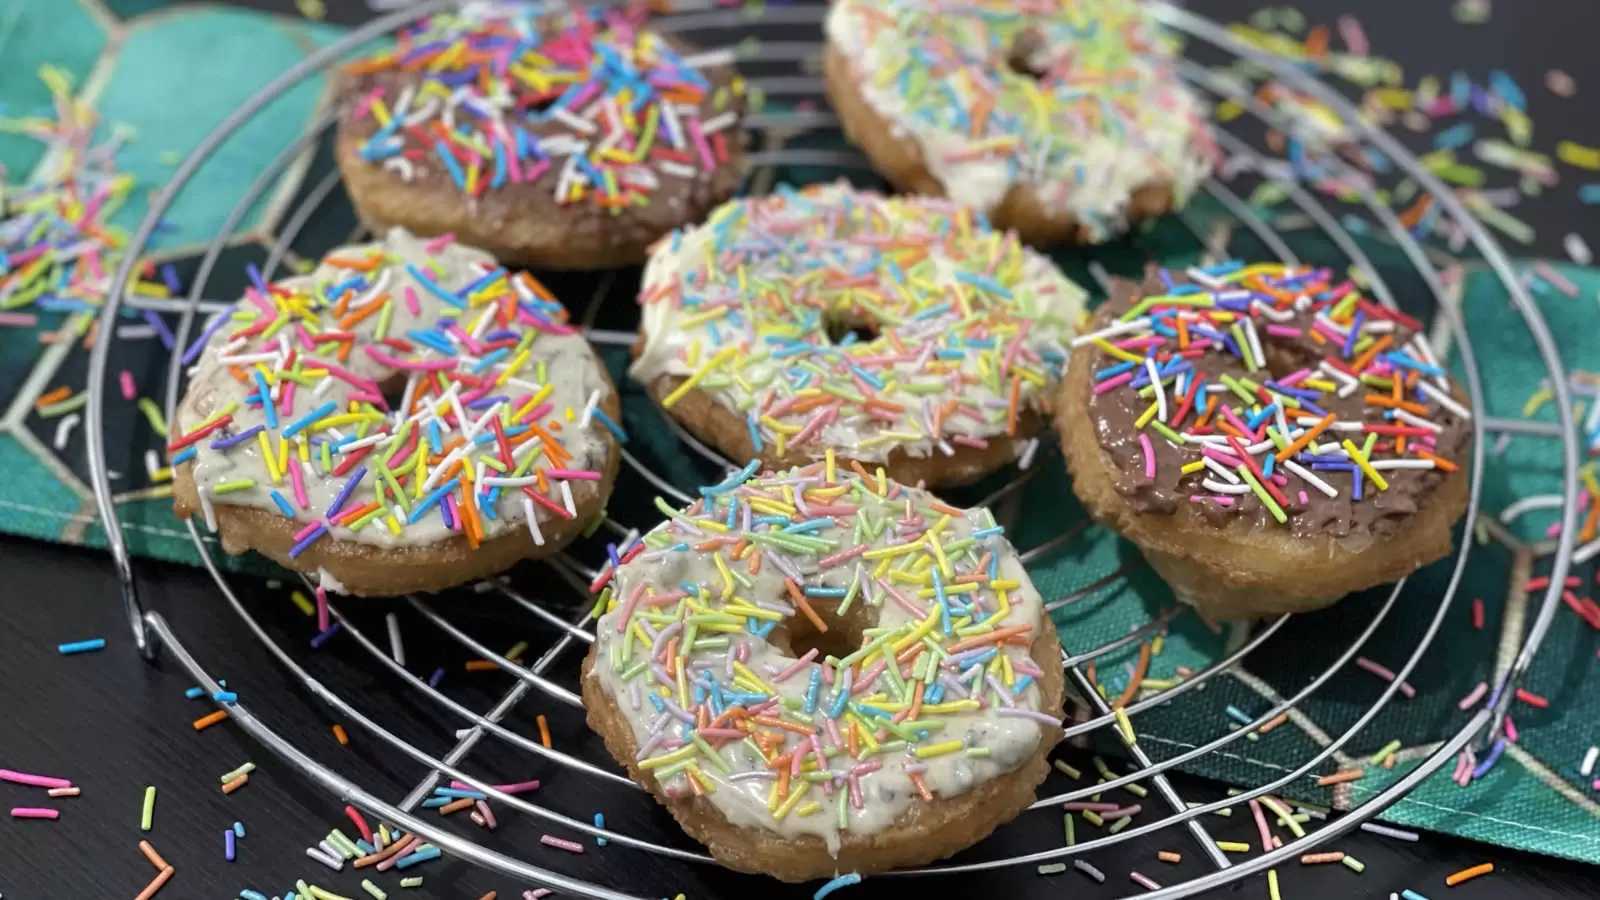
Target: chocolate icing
(674, 201)
(1379, 512)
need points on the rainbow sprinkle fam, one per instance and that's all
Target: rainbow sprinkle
(589, 106)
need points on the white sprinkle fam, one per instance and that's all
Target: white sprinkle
(588, 408)
(1089, 870)
(566, 498)
(1386, 831)
(64, 430)
(533, 521)
(1577, 249)
(1587, 768)
(1027, 453)
(1382, 464)
(1161, 392)
(397, 650)
(136, 332)
(331, 862)
(1212, 484)
(1120, 328)
(1586, 552)
(152, 463)
(1444, 399)
(709, 59)
(1310, 478)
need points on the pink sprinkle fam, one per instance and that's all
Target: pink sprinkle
(405, 848)
(1305, 500)
(1473, 696)
(1354, 37)
(1112, 383)
(537, 894)
(1144, 882)
(440, 242)
(21, 320)
(322, 608)
(33, 812)
(1284, 331)
(550, 840)
(1556, 279)
(1511, 730)
(44, 781)
(573, 474)
(126, 378)
(435, 365)
(1477, 614)
(488, 814)
(64, 792)
(518, 788)
(412, 305)
(1077, 805)
(299, 484)
(795, 666)
(1149, 456)
(1386, 674)
(1261, 823)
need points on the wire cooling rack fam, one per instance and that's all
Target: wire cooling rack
(794, 133)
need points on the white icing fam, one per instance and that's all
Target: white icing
(572, 377)
(993, 743)
(679, 287)
(1085, 162)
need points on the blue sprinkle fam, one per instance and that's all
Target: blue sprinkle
(600, 822)
(844, 881)
(81, 646)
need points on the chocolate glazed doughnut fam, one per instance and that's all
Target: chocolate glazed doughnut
(1271, 439)
(568, 141)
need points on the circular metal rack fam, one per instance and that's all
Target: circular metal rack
(793, 60)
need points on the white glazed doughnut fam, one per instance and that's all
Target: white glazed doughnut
(965, 332)
(1076, 105)
(496, 443)
(800, 763)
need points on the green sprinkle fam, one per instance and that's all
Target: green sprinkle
(147, 816)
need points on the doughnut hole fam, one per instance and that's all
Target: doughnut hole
(1025, 55)
(843, 637)
(839, 328)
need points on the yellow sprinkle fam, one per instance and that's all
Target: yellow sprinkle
(1233, 846)
(1361, 460)
(933, 750)
(1578, 155)
(1125, 725)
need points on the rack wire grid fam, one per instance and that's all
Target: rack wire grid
(796, 130)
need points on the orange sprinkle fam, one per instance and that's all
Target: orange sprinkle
(544, 731)
(204, 722)
(1139, 670)
(154, 857)
(1305, 440)
(55, 396)
(1366, 358)
(235, 784)
(1439, 461)
(997, 636)
(916, 779)
(1277, 720)
(1311, 859)
(456, 806)
(1468, 874)
(481, 665)
(1168, 856)
(805, 606)
(156, 883)
(1341, 777)
(340, 736)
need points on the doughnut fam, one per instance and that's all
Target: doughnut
(1269, 437)
(901, 332)
(738, 672)
(1063, 121)
(431, 420)
(568, 141)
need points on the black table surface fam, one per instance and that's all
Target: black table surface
(114, 724)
